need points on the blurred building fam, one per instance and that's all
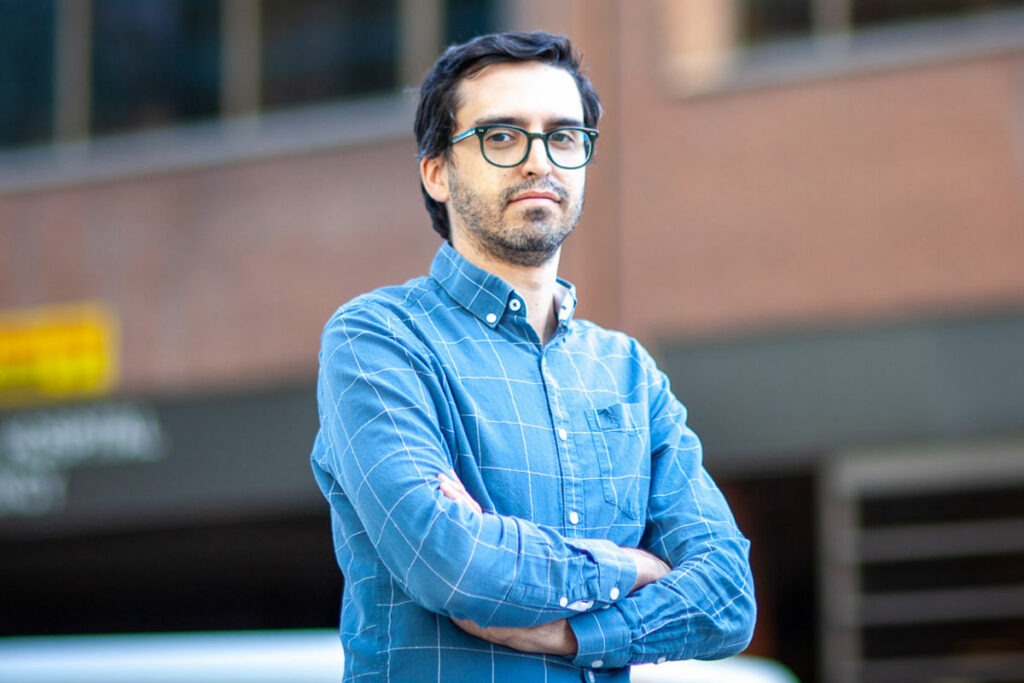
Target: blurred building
(811, 211)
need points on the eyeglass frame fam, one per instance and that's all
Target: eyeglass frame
(479, 131)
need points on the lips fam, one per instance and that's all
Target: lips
(551, 196)
(536, 195)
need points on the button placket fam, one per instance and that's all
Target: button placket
(572, 509)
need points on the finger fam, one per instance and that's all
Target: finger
(446, 487)
(455, 482)
(459, 491)
(453, 489)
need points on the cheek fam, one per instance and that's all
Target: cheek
(576, 188)
(482, 185)
(574, 181)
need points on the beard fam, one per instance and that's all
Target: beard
(530, 239)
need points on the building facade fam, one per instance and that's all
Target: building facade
(812, 214)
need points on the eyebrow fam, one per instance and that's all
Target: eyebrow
(522, 123)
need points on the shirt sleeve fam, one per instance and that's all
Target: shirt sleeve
(705, 607)
(384, 415)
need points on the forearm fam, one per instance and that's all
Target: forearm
(456, 561)
(703, 609)
(543, 576)
(554, 638)
(649, 567)
(557, 637)
(494, 569)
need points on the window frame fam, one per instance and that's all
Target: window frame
(240, 131)
(833, 48)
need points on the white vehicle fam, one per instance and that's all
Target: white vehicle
(305, 656)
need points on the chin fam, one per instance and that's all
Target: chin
(530, 259)
(538, 214)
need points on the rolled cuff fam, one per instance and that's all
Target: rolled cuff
(603, 639)
(614, 579)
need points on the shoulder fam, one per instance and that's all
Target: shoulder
(393, 312)
(397, 302)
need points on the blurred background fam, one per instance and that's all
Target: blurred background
(811, 211)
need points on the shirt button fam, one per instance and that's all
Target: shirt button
(574, 517)
(615, 593)
(661, 660)
(515, 304)
(562, 434)
(563, 601)
(598, 664)
(491, 318)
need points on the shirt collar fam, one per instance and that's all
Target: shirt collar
(568, 305)
(483, 294)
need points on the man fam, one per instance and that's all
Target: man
(515, 495)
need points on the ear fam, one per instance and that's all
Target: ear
(434, 174)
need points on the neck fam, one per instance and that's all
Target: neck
(537, 285)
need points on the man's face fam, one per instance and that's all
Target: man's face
(518, 215)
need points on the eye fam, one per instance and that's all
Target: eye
(564, 137)
(501, 137)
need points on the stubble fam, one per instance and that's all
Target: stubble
(529, 238)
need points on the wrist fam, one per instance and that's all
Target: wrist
(570, 645)
(649, 568)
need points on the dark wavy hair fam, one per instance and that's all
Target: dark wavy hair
(438, 94)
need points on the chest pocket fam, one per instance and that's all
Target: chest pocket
(621, 445)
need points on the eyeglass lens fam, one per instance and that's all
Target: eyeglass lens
(566, 147)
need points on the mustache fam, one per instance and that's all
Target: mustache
(510, 193)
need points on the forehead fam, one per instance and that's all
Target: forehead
(531, 91)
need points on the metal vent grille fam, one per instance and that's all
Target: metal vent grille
(922, 566)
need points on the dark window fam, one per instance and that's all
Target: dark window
(777, 20)
(764, 21)
(465, 19)
(26, 71)
(875, 12)
(317, 50)
(154, 63)
(157, 63)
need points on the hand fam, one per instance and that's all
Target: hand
(649, 567)
(556, 638)
(452, 488)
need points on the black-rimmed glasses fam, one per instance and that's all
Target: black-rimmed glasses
(505, 146)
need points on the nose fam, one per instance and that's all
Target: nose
(537, 162)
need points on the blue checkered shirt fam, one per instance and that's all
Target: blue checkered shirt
(574, 449)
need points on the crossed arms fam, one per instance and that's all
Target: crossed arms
(387, 433)
(556, 637)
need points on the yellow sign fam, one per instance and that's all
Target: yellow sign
(57, 353)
